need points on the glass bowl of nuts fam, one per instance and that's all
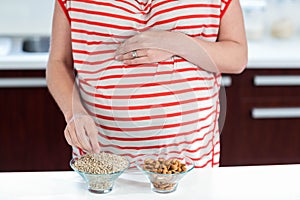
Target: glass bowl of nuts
(164, 171)
(100, 170)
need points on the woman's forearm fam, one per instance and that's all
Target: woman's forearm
(60, 74)
(229, 56)
(61, 84)
(223, 56)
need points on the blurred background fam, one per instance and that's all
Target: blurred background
(261, 106)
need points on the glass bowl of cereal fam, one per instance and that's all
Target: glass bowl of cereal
(164, 171)
(100, 170)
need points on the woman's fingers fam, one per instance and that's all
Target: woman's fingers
(82, 136)
(129, 45)
(141, 60)
(92, 133)
(144, 56)
(72, 135)
(132, 55)
(82, 132)
(67, 136)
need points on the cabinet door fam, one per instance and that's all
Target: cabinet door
(31, 124)
(264, 122)
(230, 117)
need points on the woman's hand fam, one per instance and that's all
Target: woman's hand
(81, 132)
(142, 48)
(144, 56)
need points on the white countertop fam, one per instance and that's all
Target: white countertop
(267, 53)
(26, 61)
(274, 53)
(281, 182)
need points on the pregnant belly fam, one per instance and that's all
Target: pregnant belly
(155, 100)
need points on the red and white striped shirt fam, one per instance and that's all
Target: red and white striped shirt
(169, 106)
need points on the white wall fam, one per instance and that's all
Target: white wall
(25, 17)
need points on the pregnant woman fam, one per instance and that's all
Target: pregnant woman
(134, 77)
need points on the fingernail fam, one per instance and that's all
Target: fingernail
(117, 57)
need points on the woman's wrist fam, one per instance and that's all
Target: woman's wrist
(70, 114)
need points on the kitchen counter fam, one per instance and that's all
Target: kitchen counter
(274, 53)
(26, 61)
(278, 182)
(268, 53)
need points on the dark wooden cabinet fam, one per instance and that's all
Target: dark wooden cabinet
(31, 131)
(262, 118)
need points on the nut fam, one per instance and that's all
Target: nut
(164, 186)
(162, 166)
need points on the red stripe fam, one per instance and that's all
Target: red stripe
(204, 35)
(142, 96)
(202, 156)
(81, 152)
(206, 154)
(159, 146)
(127, 28)
(135, 66)
(93, 63)
(216, 163)
(165, 126)
(92, 52)
(202, 166)
(154, 84)
(160, 3)
(157, 137)
(104, 4)
(176, 8)
(196, 16)
(123, 17)
(150, 117)
(99, 34)
(178, 60)
(137, 75)
(91, 32)
(63, 7)
(112, 67)
(150, 106)
(225, 8)
(93, 42)
(129, 3)
(196, 26)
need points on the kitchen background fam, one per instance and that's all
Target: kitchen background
(263, 103)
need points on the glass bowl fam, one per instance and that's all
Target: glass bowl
(163, 183)
(98, 183)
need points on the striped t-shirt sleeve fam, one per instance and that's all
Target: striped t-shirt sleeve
(64, 4)
(224, 5)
